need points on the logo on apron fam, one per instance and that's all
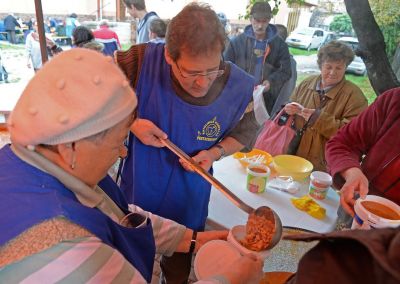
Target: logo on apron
(210, 131)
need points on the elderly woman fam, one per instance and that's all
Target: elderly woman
(324, 103)
(62, 218)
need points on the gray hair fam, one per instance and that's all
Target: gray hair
(335, 51)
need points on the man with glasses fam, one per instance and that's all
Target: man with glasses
(262, 53)
(189, 94)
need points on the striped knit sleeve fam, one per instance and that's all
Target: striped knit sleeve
(83, 260)
(167, 233)
(130, 62)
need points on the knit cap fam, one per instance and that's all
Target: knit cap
(77, 94)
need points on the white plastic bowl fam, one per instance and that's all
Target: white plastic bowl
(238, 233)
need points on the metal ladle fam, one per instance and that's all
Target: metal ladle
(263, 211)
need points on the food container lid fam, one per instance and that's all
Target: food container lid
(213, 257)
(321, 177)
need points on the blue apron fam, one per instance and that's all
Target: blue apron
(30, 196)
(152, 177)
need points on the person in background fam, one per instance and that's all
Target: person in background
(202, 104)
(33, 52)
(157, 30)
(10, 23)
(108, 37)
(83, 37)
(290, 84)
(364, 156)
(137, 9)
(324, 103)
(3, 71)
(71, 22)
(104, 32)
(262, 53)
(62, 218)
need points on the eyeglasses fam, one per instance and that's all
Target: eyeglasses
(193, 75)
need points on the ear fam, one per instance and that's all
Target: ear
(168, 57)
(66, 152)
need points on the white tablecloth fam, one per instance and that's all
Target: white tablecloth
(231, 173)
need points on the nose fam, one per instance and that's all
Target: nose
(202, 81)
(123, 151)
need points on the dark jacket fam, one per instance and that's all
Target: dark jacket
(277, 67)
(353, 256)
(10, 23)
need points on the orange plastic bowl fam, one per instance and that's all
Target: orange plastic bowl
(294, 166)
(255, 155)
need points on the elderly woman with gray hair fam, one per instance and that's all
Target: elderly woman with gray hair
(62, 218)
(323, 103)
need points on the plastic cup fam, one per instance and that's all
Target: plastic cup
(319, 184)
(257, 177)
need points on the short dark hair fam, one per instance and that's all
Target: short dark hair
(335, 51)
(82, 35)
(159, 27)
(261, 10)
(138, 4)
(196, 29)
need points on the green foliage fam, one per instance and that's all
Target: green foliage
(387, 16)
(341, 24)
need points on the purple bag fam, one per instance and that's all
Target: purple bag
(276, 135)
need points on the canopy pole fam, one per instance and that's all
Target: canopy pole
(42, 36)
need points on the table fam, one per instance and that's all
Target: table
(231, 173)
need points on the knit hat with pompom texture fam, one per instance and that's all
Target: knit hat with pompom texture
(77, 94)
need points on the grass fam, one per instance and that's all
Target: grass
(297, 51)
(6, 45)
(361, 81)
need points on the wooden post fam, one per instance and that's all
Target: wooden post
(121, 16)
(42, 36)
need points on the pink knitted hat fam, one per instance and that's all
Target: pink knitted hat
(77, 94)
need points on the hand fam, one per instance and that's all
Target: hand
(204, 158)
(266, 85)
(204, 237)
(293, 108)
(247, 269)
(148, 133)
(356, 181)
(306, 113)
(29, 65)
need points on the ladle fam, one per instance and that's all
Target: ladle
(264, 211)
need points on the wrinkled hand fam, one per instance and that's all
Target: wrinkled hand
(356, 181)
(247, 269)
(267, 86)
(306, 113)
(204, 237)
(293, 108)
(204, 158)
(147, 132)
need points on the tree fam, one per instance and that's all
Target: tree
(371, 46)
(341, 24)
(387, 15)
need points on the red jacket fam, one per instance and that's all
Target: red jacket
(106, 33)
(372, 138)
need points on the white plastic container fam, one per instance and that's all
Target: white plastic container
(257, 177)
(319, 184)
(238, 233)
(364, 219)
